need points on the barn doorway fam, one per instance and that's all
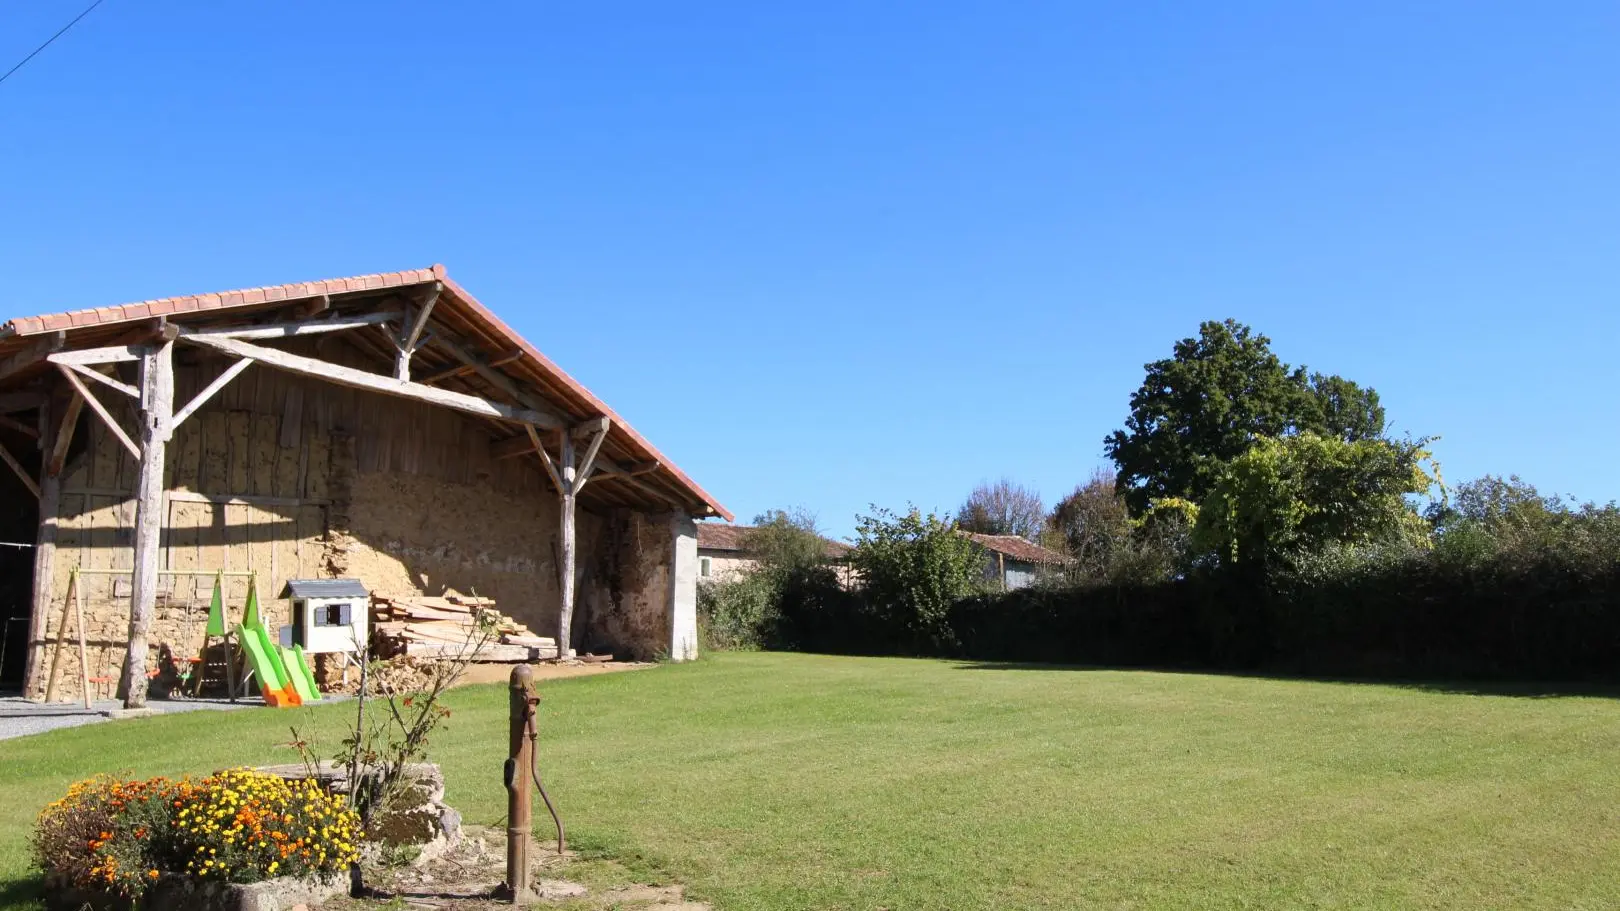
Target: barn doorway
(19, 525)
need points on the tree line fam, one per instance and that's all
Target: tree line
(1257, 514)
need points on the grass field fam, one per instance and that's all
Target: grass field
(796, 781)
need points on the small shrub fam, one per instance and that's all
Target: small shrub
(738, 614)
(104, 835)
(118, 837)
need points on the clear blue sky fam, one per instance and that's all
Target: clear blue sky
(835, 253)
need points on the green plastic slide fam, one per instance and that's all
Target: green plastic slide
(263, 657)
(303, 682)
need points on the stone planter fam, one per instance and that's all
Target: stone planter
(422, 820)
(174, 892)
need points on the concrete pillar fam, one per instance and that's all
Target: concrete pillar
(683, 576)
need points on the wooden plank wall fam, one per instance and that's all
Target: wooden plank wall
(263, 450)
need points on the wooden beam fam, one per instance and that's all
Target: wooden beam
(101, 410)
(587, 463)
(634, 469)
(63, 437)
(295, 329)
(636, 482)
(450, 373)
(19, 426)
(20, 401)
(208, 391)
(594, 425)
(500, 381)
(371, 382)
(157, 410)
(33, 354)
(513, 447)
(22, 473)
(112, 354)
(407, 343)
(98, 376)
(545, 458)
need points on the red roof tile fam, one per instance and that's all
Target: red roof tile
(80, 319)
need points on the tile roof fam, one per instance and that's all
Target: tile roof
(715, 536)
(86, 326)
(1017, 548)
(73, 319)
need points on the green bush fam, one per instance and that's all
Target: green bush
(912, 568)
(740, 614)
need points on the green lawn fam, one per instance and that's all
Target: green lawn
(796, 781)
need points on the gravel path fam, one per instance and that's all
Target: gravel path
(20, 718)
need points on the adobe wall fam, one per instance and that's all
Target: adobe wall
(293, 478)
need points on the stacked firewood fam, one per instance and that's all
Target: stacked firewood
(445, 627)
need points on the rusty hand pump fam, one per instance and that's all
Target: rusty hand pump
(522, 766)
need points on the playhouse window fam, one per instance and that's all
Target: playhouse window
(332, 615)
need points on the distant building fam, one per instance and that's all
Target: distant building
(1013, 561)
(723, 554)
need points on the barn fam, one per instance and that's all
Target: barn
(387, 428)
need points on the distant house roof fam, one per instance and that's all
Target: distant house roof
(733, 538)
(1015, 548)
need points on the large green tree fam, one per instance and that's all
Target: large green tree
(1212, 399)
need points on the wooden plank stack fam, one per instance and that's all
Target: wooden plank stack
(425, 626)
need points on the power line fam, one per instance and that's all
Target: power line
(48, 41)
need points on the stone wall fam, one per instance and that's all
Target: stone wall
(645, 605)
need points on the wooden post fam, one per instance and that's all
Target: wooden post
(565, 621)
(61, 639)
(157, 411)
(50, 498)
(84, 653)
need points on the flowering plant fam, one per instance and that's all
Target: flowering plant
(236, 826)
(243, 826)
(100, 835)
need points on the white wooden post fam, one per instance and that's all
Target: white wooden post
(157, 412)
(565, 620)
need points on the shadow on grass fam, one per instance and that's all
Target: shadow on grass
(1521, 689)
(22, 893)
